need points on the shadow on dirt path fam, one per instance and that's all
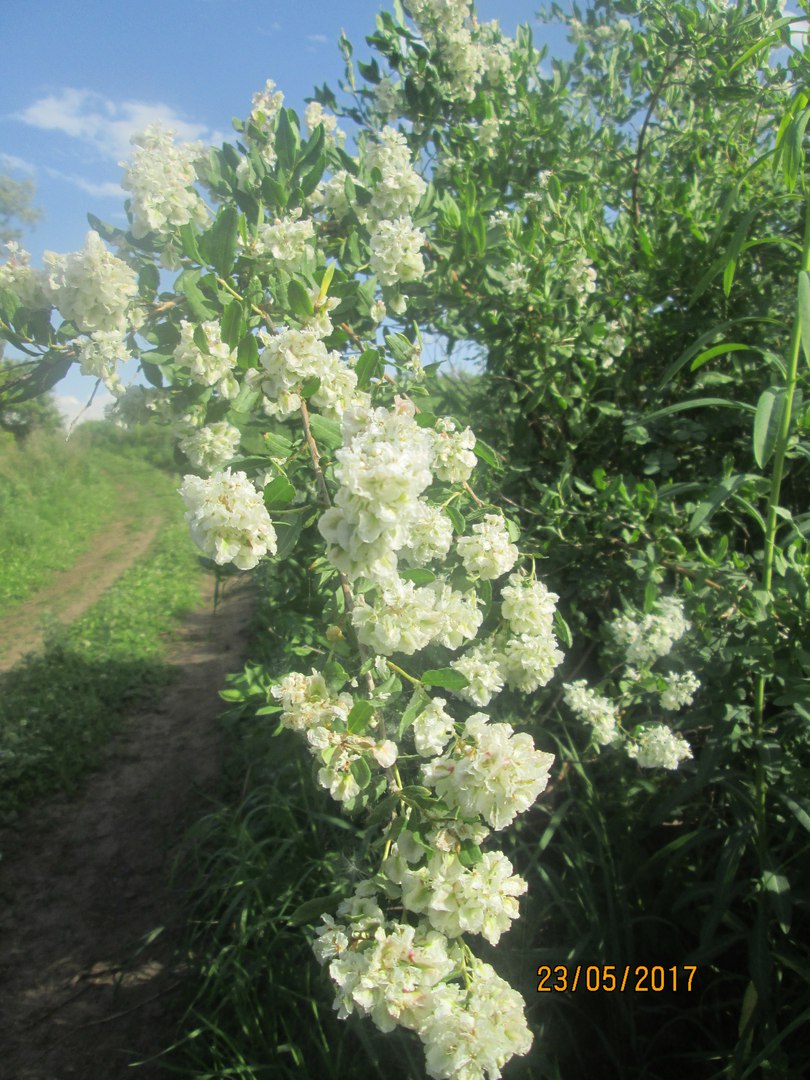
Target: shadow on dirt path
(84, 881)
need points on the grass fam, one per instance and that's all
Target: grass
(58, 707)
(55, 497)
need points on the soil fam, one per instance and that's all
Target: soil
(71, 592)
(90, 978)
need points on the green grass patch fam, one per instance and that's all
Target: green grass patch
(56, 496)
(58, 708)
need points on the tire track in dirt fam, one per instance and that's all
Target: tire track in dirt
(83, 881)
(71, 592)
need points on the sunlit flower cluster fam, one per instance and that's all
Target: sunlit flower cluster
(647, 639)
(395, 251)
(658, 747)
(212, 446)
(228, 519)
(211, 365)
(160, 176)
(91, 287)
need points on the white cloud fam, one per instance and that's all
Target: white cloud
(318, 39)
(72, 407)
(105, 124)
(16, 164)
(104, 189)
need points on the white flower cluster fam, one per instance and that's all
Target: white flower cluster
(212, 366)
(285, 240)
(92, 287)
(651, 637)
(382, 468)
(211, 446)
(228, 519)
(496, 773)
(267, 104)
(445, 25)
(433, 728)
(395, 247)
(309, 707)
(453, 457)
(680, 690)
(408, 976)
(99, 355)
(160, 177)
(290, 358)
(581, 279)
(314, 115)
(17, 275)
(613, 343)
(658, 747)
(405, 619)
(594, 709)
(481, 666)
(481, 899)
(400, 187)
(488, 553)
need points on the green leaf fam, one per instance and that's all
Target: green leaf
(804, 312)
(359, 716)
(299, 300)
(326, 432)
(457, 519)
(698, 403)
(247, 355)
(485, 452)
(148, 279)
(361, 772)
(419, 699)
(367, 367)
(278, 446)
(446, 678)
(311, 910)
(278, 492)
(198, 305)
(288, 530)
(286, 143)
(767, 422)
(716, 498)
(188, 240)
(418, 576)
(717, 350)
(232, 326)
(218, 243)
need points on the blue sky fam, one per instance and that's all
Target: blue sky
(80, 79)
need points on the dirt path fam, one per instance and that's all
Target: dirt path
(84, 881)
(70, 593)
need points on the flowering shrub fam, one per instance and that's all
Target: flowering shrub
(317, 431)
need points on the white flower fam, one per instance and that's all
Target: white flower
(529, 661)
(488, 553)
(91, 287)
(17, 275)
(454, 459)
(581, 279)
(395, 251)
(594, 709)
(290, 358)
(653, 636)
(399, 189)
(99, 355)
(228, 518)
(433, 728)
(160, 177)
(286, 240)
(212, 366)
(680, 690)
(267, 104)
(314, 115)
(471, 1036)
(528, 606)
(212, 446)
(497, 774)
(457, 900)
(658, 747)
(430, 534)
(481, 666)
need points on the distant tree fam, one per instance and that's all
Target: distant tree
(16, 197)
(21, 418)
